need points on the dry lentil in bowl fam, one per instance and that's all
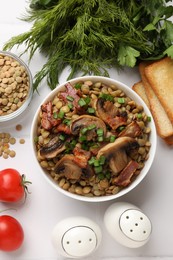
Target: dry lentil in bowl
(15, 86)
(92, 139)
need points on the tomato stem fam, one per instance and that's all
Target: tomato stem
(1, 211)
(24, 184)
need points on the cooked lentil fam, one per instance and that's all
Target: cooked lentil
(14, 85)
(56, 119)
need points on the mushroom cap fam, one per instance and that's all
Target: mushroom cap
(86, 121)
(52, 148)
(116, 153)
(72, 170)
(109, 113)
(105, 109)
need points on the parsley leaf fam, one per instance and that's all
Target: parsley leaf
(127, 56)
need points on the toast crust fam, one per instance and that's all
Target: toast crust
(160, 77)
(163, 124)
(140, 90)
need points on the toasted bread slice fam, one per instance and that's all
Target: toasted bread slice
(140, 90)
(163, 124)
(160, 77)
(169, 140)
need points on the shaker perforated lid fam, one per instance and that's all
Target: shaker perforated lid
(127, 224)
(76, 237)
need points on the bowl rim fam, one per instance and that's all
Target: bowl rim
(30, 93)
(153, 136)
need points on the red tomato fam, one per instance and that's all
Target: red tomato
(12, 185)
(11, 233)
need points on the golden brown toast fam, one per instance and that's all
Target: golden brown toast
(163, 124)
(160, 77)
(140, 90)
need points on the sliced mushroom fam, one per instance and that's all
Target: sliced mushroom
(116, 153)
(105, 109)
(132, 130)
(109, 113)
(85, 121)
(67, 167)
(52, 148)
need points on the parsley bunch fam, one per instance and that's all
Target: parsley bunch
(91, 36)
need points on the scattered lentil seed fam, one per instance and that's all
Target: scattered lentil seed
(22, 141)
(6, 140)
(18, 127)
(12, 153)
(12, 140)
(5, 156)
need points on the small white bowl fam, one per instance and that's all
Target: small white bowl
(20, 109)
(153, 139)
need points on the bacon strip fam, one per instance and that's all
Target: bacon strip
(47, 120)
(63, 128)
(81, 157)
(116, 122)
(124, 178)
(72, 92)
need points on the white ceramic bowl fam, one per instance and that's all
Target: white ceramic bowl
(153, 138)
(27, 100)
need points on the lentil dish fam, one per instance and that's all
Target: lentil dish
(92, 138)
(14, 84)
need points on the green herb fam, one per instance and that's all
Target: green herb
(102, 160)
(91, 110)
(121, 100)
(69, 98)
(70, 146)
(149, 118)
(139, 115)
(78, 86)
(96, 163)
(108, 175)
(107, 97)
(84, 130)
(100, 132)
(60, 114)
(91, 127)
(36, 139)
(98, 169)
(62, 137)
(81, 102)
(85, 146)
(87, 100)
(94, 35)
(70, 105)
(82, 138)
(91, 161)
(67, 121)
(112, 138)
(42, 4)
(55, 115)
(120, 128)
(101, 176)
(100, 139)
(84, 101)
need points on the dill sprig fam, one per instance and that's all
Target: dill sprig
(91, 36)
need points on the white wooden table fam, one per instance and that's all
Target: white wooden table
(45, 207)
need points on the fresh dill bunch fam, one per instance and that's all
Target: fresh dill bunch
(92, 36)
